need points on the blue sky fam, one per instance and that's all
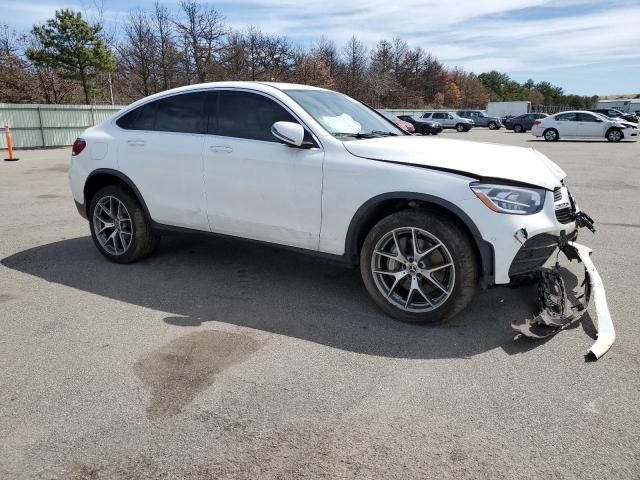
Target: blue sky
(586, 46)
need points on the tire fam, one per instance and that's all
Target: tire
(425, 131)
(551, 135)
(492, 125)
(517, 128)
(614, 135)
(137, 230)
(460, 127)
(431, 229)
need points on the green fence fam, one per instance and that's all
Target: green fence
(34, 126)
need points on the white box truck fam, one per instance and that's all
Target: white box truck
(507, 109)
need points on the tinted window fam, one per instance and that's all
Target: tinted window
(426, 115)
(182, 113)
(248, 115)
(142, 118)
(587, 117)
(179, 113)
(439, 115)
(566, 117)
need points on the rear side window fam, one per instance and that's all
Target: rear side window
(182, 113)
(248, 115)
(566, 117)
(439, 115)
(142, 118)
(186, 113)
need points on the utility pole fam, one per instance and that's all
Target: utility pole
(110, 87)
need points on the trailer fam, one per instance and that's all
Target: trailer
(507, 109)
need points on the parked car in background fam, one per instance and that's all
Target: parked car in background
(583, 124)
(449, 120)
(422, 126)
(398, 122)
(481, 119)
(615, 113)
(522, 123)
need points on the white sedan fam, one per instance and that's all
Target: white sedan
(581, 124)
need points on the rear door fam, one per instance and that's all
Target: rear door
(257, 187)
(160, 150)
(442, 118)
(567, 124)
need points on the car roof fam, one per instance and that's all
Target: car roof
(264, 87)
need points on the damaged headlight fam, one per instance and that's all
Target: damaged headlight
(507, 199)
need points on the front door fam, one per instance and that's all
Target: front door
(589, 126)
(257, 187)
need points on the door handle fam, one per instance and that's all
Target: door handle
(220, 149)
(135, 143)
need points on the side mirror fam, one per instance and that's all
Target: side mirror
(289, 133)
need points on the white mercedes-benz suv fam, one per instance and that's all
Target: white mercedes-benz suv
(426, 219)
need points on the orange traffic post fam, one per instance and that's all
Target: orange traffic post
(7, 133)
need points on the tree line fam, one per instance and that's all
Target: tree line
(70, 59)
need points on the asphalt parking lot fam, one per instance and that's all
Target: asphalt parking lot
(220, 359)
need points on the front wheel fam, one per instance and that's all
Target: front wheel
(460, 127)
(119, 226)
(419, 267)
(614, 135)
(425, 131)
(492, 125)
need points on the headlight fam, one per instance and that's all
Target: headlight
(507, 199)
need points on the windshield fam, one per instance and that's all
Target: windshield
(342, 116)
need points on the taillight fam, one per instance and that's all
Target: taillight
(537, 122)
(78, 146)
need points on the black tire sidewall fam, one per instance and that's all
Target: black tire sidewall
(460, 127)
(517, 128)
(455, 240)
(140, 226)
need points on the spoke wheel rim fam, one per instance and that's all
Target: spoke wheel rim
(413, 270)
(112, 225)
(615, 135)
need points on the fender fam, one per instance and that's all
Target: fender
(485, 249)
(121, 176)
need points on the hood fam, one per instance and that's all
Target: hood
(483, 161)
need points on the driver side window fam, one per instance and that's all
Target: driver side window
(247, 115)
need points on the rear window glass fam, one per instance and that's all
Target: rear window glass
(142, 118)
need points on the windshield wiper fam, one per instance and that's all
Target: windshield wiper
(372, 134)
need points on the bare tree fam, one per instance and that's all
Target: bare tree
(137, 53)
(165, 44)
(204, 33)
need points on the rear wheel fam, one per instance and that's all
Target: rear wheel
(614, 135)
(419, 267)
(550, 135)
(518, 128)
(119, 226)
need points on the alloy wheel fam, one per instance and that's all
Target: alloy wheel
(413, 269)
(112, 225)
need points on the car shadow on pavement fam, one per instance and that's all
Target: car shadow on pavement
(198, 279)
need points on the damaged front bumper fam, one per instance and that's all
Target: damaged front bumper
(559, 307)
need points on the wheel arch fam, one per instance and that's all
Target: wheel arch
(380, 206)
(106, 176)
